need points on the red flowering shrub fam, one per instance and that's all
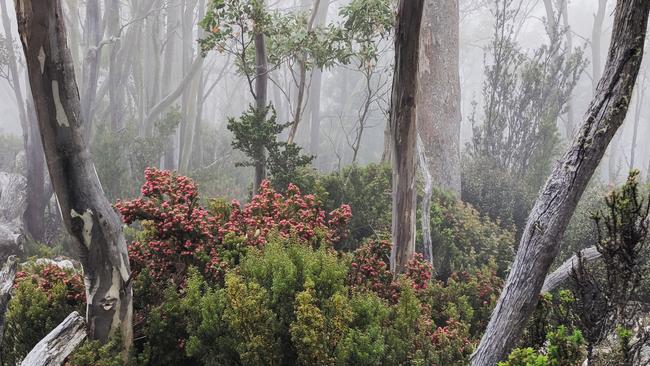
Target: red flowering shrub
(292, 214)
(370, 271)
(46, 277)
(181, 233)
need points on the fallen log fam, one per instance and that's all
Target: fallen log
(7, 276)
(59, 343)
(563, 272)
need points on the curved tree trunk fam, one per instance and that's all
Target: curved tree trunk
(558, 199)
(404, 131)
(86, 213)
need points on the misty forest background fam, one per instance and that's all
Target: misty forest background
(257, 154)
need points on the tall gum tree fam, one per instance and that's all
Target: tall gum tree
(404, 131)
(86, 213)
(438, 99)
(540, 241)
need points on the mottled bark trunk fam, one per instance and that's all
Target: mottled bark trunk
(86, 213)
(404, 131)
(558, 198)
(261, 95)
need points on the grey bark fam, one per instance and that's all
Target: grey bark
(404, 131)
(438, 99)
(7, 276)
(58, 344)
(563, 272)
(86, 213)
(558, 198)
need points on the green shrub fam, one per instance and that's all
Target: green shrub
(368, 192)
(564, 348)
(43, 296)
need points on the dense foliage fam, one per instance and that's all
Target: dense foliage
(44, 295)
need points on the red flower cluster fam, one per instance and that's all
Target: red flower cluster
(291, 215)
(46, 277)
(182, 233)
(370, 270)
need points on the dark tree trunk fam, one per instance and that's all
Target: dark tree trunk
(404, 131)
(261, 90)
(438, 97)
(86, 213)
(557, 200)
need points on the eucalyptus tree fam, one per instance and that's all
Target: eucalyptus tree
(558, 198)
(87, 214)
(404, 131)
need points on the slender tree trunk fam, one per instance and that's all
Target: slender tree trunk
(557, 200)
(404, 131)
(302, 83)
(13, 66)
(35, 208)
(86, 213)
(115, 88)
(596, 44)
(570, 118)
(316, 85)
(90, 67)
(261, 91)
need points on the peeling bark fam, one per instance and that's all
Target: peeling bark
(404, 131)
(59, 343)
(86, 213)
(557, 200)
